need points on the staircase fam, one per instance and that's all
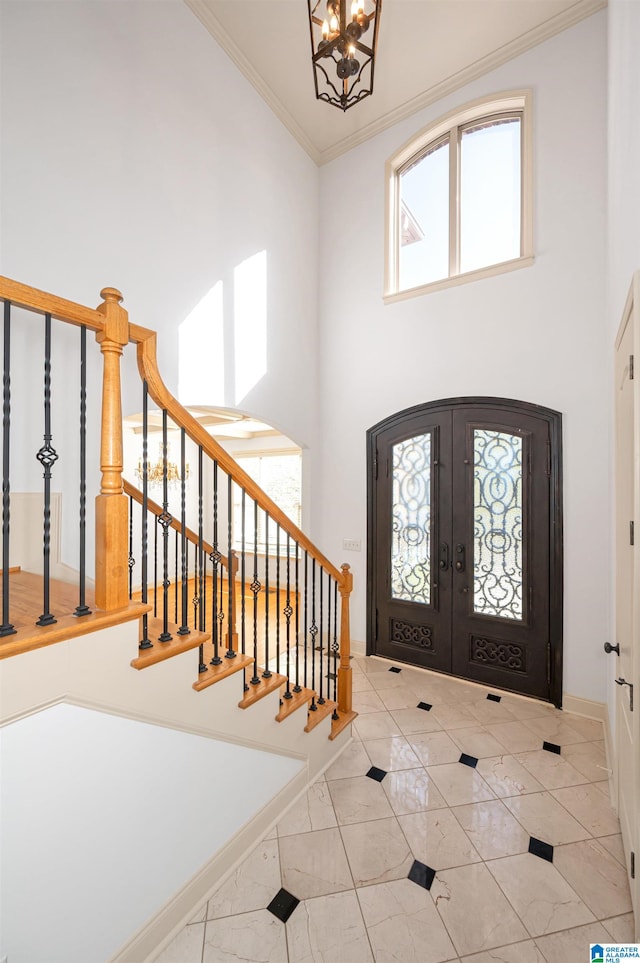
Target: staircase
(187, 621)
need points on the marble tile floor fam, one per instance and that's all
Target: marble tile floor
(461, 824)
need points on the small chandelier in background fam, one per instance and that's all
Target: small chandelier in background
(155, 473)
(342, 62)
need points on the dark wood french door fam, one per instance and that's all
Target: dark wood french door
(465, 542)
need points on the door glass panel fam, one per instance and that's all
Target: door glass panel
(498, 524)
(411, 525)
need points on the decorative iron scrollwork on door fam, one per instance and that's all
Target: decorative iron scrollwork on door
(504, 655)
(411, 633)
(498, 524)
(411, 522)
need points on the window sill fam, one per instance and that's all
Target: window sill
(490, 271)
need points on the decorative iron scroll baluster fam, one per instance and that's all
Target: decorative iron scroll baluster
(145, 642)
(255, 588)
(297, 687)
(230, 570)
(131, 560)
(288, 612)
(320, 647)
(215, 559)
(313, 631)
(165, 521)
(334, 646)
(6, 628)
(47, 456)
(184, 556)
(196, 598)
(82, 608)
(202, 667)
(267, 671)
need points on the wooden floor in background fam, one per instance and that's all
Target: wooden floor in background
(26, 598)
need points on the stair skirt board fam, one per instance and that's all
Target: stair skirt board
(111, 818)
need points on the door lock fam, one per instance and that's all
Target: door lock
(444, 556)
(622, 681)
(460, 558)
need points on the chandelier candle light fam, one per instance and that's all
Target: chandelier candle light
(155, 473)
(337, 40)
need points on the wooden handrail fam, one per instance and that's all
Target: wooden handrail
(147, 365)
(24, 296)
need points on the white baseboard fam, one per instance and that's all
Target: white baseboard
(162, 928)
(358, 648)
(585, 707)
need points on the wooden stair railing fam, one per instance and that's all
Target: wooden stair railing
(310, 585)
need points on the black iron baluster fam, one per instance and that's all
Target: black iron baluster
(82, 608)
(267, 671)
(155, 566)
(202, 667)
(255, 588)
(145, 642)
(277, 598)
(196, 597)
(184, 555)
(131, 560)
(47, 456)
(7, 628)
(288, 612)
(175, 582)
(203, 623)
(334, 646)
(230, 626)
(215, 558)
(297, 687)
(313, 629)
(321, 698)
(165, 520)
(243, 583)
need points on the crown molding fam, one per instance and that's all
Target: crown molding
(544, 31)
(204, 14)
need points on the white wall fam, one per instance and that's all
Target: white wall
(537, 334)
(134, 154)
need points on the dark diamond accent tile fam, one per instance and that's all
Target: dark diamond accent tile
(494, 698)
(466, 760)
(541, 849)
(377, 774)
(551, 747)
(331, 676)
(282, 905)
(421, 874)
(394, 668)
(425, 705)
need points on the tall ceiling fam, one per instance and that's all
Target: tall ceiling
(426, 49)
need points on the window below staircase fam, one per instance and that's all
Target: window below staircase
(279, 474)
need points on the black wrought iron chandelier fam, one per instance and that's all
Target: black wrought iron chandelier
(342, 62)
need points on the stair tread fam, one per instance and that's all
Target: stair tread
(297, 700)
(258, 691)
(215, 673)
(337, 725)
(321, 712)
(160, 651)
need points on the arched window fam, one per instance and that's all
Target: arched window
(459, 198)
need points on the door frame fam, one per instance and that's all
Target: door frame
(554, 422)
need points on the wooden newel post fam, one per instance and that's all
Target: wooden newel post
(345, 587)
(112, 510)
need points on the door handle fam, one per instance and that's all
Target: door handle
(444, 556)
(622, 681)
(460, 558)
(612, 648)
